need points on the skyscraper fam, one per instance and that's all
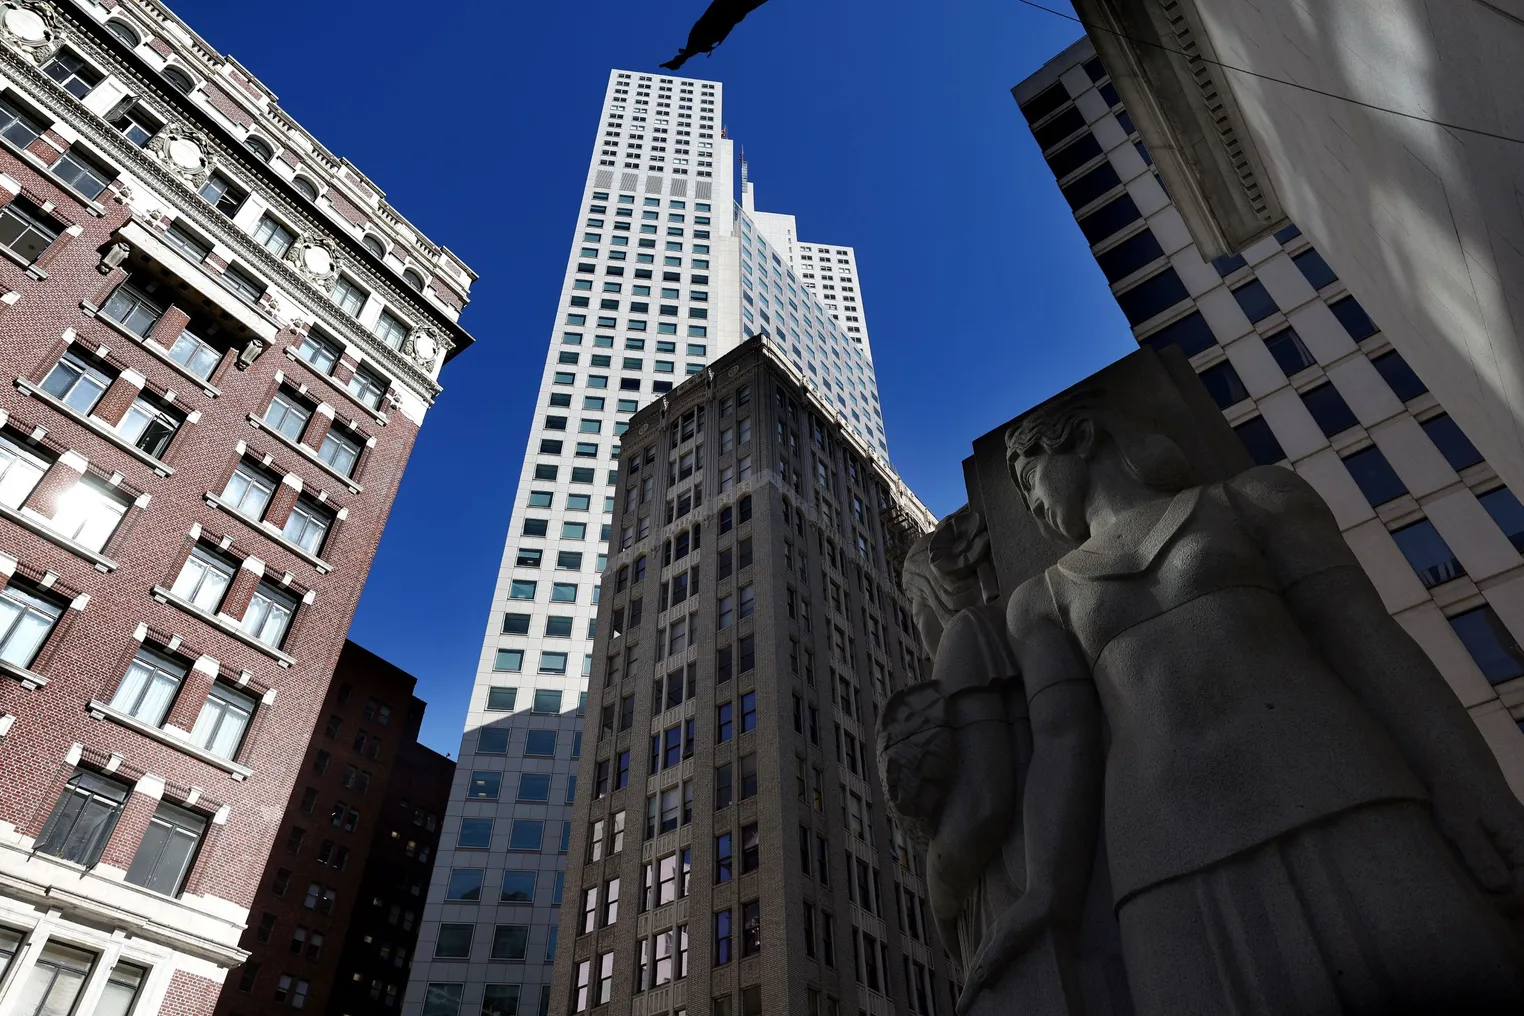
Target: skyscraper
(1307, 379)
(666, 274)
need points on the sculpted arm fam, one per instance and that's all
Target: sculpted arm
(1343, 617)
(1061, 805)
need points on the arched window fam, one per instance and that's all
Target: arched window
(181, 80)
(374, 245)
(125, 32)
(308, 189)
(413, 279)
(259, 147)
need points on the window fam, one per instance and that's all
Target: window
(288, 414)
(1428, 553)
(1451, 442)
(1152, 296)
(751, 848)
(547, 701)
(1404, 383)
(1507, 513)
(194, 355)
(148, 426)
(349, 297)
(534, 787)
(81, 172)
(132, 310)
(722, 938)
(242, 284)
(259, 147)
(526, 834)
(1255, 300)
(484, 786)
(76, 76)
(1353, 317)
(180, 80)
(454, 942)
(1314, 268)
(748, 712)
(82, 820)
(367, 388)
(1289, 352)
(223, 719)
(272, 236)
(269, 614)
(248, 491)
(1374, 476)
(391, 329)
(76, 382)
(126, 978)
(19, 128)
(168, 847)
(305, 187)
(492, 741)
(751, 928)
(1490, 644)
(1329, 409)
(510, 942)
(1131, 254)
(540, 743)
(88, 513)
(203, 579)
(1260, 441)
(518, 885)
(465, 885)
(25, 230)
(226, 196)
(56, 981)
(340, 451)
(149, 687)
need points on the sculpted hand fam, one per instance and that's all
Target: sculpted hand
(1488, 832)
(1013, 934)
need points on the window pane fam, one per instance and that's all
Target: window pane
(1255, 300)
(164, 856)
(1329, 409)
(1375, 476)
(1507, 513)
(1223, 384)
(1451, 442)
(1399, 375)
(1191, 333)
(1490, 644)
(1428, 553)
(1260, 441)
(1152, 296)
(148, 687)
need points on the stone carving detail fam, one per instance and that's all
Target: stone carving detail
(30, 28)
(183, 151)
(1207, 680)
(115, 255)
(315, 260)
(249, 353)
(422, 346)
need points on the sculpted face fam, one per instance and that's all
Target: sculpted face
(1055, 486)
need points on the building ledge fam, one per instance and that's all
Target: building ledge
(271, 533)
(159, 466)
(91, 310)
(163, 595)
(104, 711)
(197, 277)
(374, 414)
(29, 679)
(306, 453)
(36, 525)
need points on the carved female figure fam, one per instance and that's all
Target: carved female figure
(1299, 815)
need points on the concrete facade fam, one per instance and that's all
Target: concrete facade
(666, 273)
(1388, 131)
(338, 908)
(202, 433)
(1308, 380)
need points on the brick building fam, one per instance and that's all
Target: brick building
(336, 916)
(730, 853)
(219, 342)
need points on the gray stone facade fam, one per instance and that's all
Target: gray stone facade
(790, 633)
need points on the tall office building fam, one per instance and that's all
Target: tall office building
(219, 342)
(1307, 379)
(666, 273)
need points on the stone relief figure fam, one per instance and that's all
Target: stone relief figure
(1299, 815)
(951, 752)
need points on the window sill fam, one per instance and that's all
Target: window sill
(30, 267)
(104, 711)
(307, 453)
(159, 466)
(271, 533)
(30, 679)
(102, 562)
(91, 310)
(163, 595)
(374, 414)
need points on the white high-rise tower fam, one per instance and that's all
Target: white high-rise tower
(666, 274)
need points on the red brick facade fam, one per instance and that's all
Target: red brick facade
(100, 593)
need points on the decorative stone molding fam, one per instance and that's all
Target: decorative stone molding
(183, 151)
(314, 260)
(29, 28)
(423, 346)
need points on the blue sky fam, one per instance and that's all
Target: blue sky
(888, 126)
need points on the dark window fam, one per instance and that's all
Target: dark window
(1315, 268)
(1329, 409)
(27, 230)
(1109, 218)
(1109, 93)
(1259, 440)
(1255, 300)
(1191, 333)
(1375, 476)
(1152, 296)
(1428, 553)
(1507, 513)
(1353, 317)
(1490, 644)
(1129, 255)
(1452, 444)
(1091, 186)
(1227, 264)
(83, 818)
(1072, 156)
(19, 128)
(1288, 234)
(1044, 102)
(1289, 352)
(82, 173)
(1224, 385)
(1058, 128)
(1404, 383)
(1094, 69)
(1126, 121)
(168, 847)
(515, 624)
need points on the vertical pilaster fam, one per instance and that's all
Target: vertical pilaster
(283, 500)
(124, 391)
(236, 603)
(192, 696)
(133, 822)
